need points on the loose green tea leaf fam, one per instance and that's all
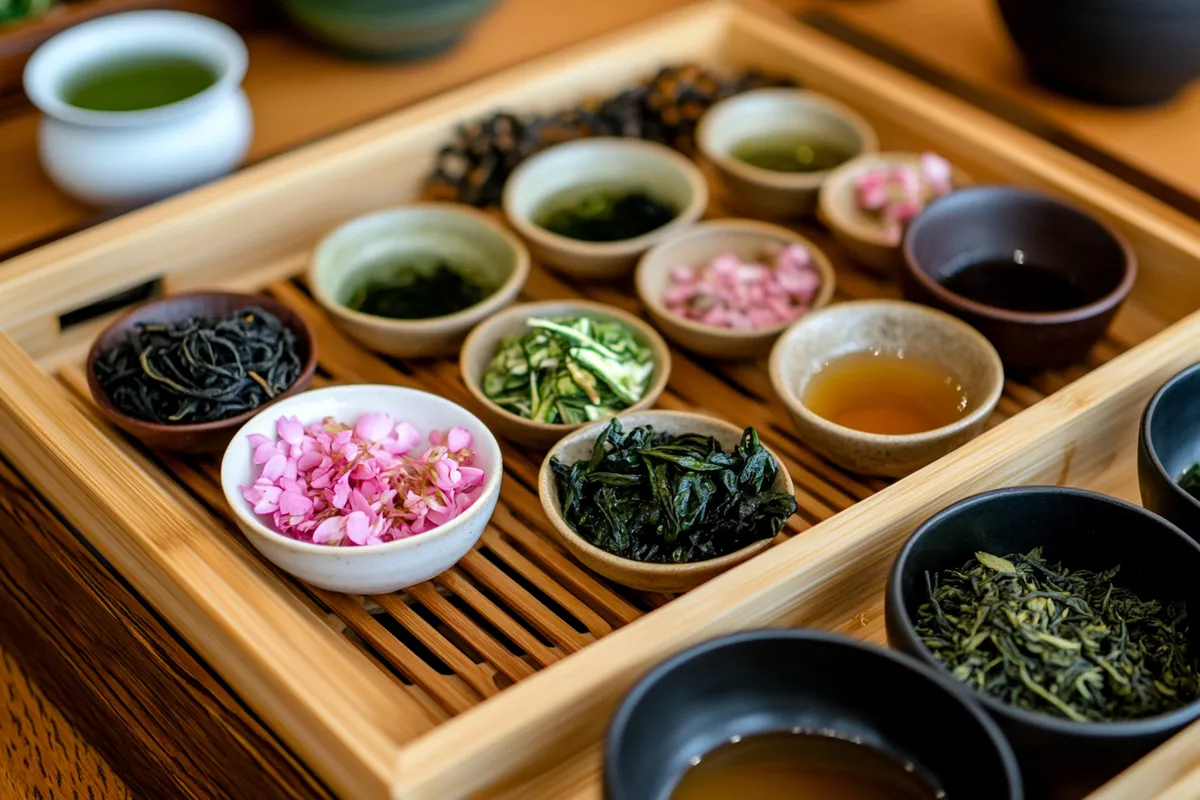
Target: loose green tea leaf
(1190, 482)
(201, 369)
(419, 288)
(11, 10)
(607, 216)
(569, 370)
(666, 498)
(1069, 644)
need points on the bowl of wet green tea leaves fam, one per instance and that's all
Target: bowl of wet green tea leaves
(540, 370)
(662, 501)
(591, 207)
(1070, 615)
(412, 281)
(773, 148)
(182, 373)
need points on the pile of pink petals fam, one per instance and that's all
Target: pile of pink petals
(369, 484)
(728, 293)
(898, 192)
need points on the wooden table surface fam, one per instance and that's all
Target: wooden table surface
(58, 734)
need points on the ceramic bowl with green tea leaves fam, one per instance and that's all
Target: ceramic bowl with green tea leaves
(540, 370)
(412, 281)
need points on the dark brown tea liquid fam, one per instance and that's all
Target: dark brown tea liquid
(1016, 285)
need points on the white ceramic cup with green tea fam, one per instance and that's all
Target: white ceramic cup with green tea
(140, 105)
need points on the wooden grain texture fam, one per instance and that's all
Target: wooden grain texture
(42, 756)
(119, 677)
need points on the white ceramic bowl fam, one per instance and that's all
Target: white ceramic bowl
(114, 158)
(768, 113)
(373, 569)
(598, 164)
(456, 232)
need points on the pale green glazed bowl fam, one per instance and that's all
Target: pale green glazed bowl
(386, 29)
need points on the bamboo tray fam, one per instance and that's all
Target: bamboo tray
(386, 696)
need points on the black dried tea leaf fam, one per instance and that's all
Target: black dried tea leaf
(418, 288)
(202, 369)
(673, 499)
(1066, 643)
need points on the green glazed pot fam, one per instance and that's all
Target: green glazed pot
(386, 29)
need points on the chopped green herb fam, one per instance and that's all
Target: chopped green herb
(607, 216)
(666, 498)
(569, 370)
(1069, 644)
(1190, 482)
(419, 288)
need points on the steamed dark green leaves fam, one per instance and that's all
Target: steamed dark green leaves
(1067, 643)
(201, 369)
(569, 370)
(1190, 482)
(666, 498)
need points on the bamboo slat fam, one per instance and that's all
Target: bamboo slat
(497, 677)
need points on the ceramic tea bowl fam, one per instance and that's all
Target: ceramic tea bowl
(386, 29)
(458, 233)
(1168, 446)
(670, 578)
(575, 169)
(483, 342)
(1005, 222)
(700, 244)
(1108, 51)
(780, 681)
(206, 437)
(892, 326)
(1084, 530)
(369, 569)
(769, 113)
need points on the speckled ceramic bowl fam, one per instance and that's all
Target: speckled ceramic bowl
(386, 29)
(893, 325)
(669, 578)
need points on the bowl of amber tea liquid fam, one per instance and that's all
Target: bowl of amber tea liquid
(793, 714)
(773, 148)
(1039, 277)
(140, 105)
(884, 387)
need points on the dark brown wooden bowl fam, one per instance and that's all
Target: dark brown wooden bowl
(994, 222)
(207, 437)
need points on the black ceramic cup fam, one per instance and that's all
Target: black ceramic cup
(1168, 445)
(1118, 52)
(779, 680)
(998, 222)
(1059, 758)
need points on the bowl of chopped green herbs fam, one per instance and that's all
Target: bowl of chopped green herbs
(540, 370)
(1169, 451)
(412, 281)
(1067, 613)
(662, 501)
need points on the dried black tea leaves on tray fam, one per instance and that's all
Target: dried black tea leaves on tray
(668, 498)
(202, 369)
(1068, 643)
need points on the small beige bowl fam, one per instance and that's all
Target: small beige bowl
(482, 343)
(697, 246)
(858, 231)
(765, 113)
(845, 328)
(457, 232)
(668, 578)
(602, 163)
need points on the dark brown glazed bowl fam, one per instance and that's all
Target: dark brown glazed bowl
(994, 222)
(208, 437)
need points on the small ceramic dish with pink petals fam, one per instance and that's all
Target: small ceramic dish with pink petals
(868, 202)
(728, 288)
(363, 489)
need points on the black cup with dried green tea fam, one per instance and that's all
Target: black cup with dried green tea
(417, 286)
(672, 498)
(1071, 617)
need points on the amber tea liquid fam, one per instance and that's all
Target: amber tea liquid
(880, 392)
(788, 766)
